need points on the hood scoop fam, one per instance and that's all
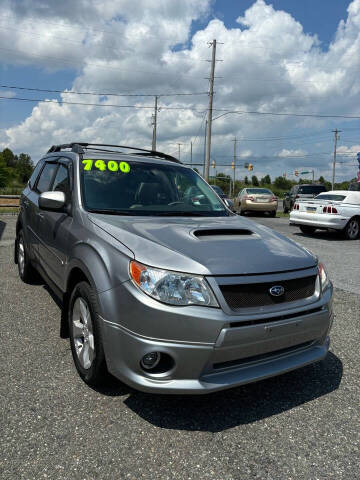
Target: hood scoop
(222, 233)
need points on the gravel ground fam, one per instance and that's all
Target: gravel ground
(303, 425)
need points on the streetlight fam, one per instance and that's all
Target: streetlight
(206, 122)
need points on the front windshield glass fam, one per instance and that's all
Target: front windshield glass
(142, 188)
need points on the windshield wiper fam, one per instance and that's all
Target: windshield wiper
(110, 211)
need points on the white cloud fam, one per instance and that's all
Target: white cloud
(348, 150)
(291, 153)
(269, 64)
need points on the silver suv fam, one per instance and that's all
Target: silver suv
(161, 284)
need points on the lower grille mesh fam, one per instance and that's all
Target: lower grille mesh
(258, 295)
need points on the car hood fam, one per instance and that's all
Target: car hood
(206, 246)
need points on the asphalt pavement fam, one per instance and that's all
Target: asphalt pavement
(303, 425)
(341, 257)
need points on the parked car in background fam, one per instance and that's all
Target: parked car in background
(334, 210)
(228, 201)
(355, 186)
(255, 200)
(160, 283)
(299, 192)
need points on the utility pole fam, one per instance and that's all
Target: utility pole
(235, 141)
(205, 136)
(179, 145)
(211, 94)
(154, 124)
(336, 137)
(191, 154)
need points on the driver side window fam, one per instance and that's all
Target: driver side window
(46, 177)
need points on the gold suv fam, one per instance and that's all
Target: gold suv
(255, 200)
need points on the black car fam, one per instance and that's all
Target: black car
(301, 192)
(225, 198)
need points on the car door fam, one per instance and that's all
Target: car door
(55, 227)
(237, 200)
(28, 212)
(42, 185)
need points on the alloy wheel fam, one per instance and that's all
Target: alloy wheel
(353, 229)
(83, 335)
(21, 256)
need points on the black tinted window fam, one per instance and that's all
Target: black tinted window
(35, 174)
(311, 189)
(46, 177)
(61, 182)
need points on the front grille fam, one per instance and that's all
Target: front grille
(252, 295)
(262, 356)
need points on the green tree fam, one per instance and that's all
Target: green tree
(246, 180)
(24, 167)
(4, 173)
(254, 181)
(282, 183)
(9, 157)
(265, 180)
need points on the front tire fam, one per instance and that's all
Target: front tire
(27, 273)
(352, 229)
(85, 335)
(307, 230)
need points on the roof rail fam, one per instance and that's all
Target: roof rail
(80, 147)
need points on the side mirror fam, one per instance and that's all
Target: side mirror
(52, 200)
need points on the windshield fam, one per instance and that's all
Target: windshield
(261, 191)
(142, 188)
(311, 189)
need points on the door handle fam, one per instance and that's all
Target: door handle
(41, 215)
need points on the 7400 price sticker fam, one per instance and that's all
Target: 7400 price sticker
(111, 165)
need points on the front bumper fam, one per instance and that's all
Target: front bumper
(322, 220)
(239, 353)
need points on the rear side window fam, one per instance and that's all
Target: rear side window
(46, 177)
(35, 174)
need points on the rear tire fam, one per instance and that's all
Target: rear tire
(27, 272)
(85, 335)
(307, 230)
(352, 229)
(272, 214)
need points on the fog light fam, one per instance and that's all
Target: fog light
(150, 360)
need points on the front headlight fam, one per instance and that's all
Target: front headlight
(324, 278)
(172, 287)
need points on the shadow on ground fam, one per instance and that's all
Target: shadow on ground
(2, 228)
(227, 409)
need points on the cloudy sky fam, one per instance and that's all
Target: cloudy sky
(289, 73)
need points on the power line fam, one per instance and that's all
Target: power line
(102, 94)
(97, 104)
(312, 115)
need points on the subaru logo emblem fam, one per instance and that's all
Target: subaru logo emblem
(277, 291)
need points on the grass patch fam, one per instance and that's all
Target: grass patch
(282, 214)
(9, 210)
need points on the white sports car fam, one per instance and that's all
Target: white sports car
(335, 210)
